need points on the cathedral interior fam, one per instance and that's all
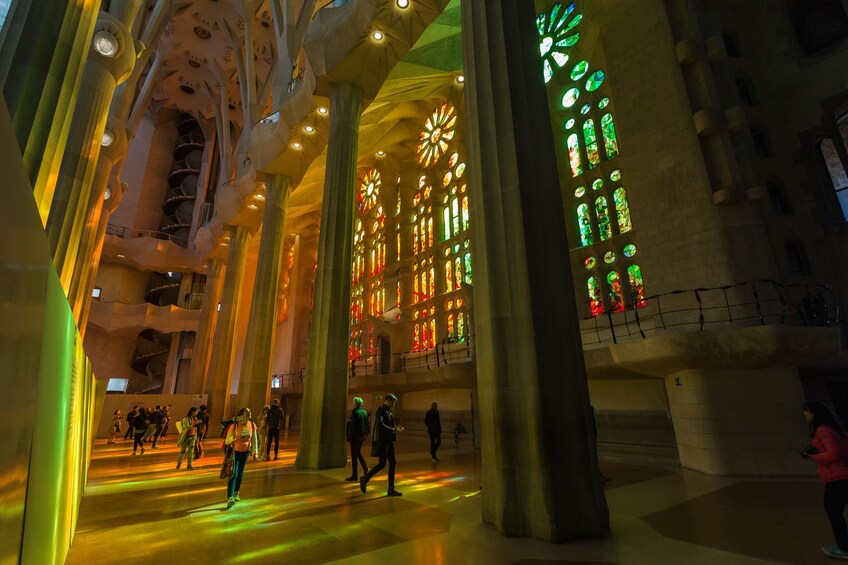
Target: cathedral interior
(607, 238)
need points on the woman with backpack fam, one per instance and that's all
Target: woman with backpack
(241, 435)
(188, 437)
(829, 450)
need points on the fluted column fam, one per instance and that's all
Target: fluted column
(254, 383)
(540, 470)
(220, 375)
(208, 321)
(325, 390)
(41, 67)
(109, 62)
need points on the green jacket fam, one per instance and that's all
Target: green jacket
(358, 425)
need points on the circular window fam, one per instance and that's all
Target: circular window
(570, 123)
(579, 70)
(585, 109)
(187, 89)
(460, 170)
(597, 184)
(595, 81)
(609, 257)
(581, 190)
(615, 176)
(590, 263)
(447, 178)
(603, 103)
(570, 98)
(629, 250)
(202, 32)
(452, 160)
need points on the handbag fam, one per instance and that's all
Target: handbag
(227, 465)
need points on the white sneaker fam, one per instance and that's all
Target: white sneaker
(230, 503)
(237, 498)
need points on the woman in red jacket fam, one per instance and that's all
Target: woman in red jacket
(830, 449)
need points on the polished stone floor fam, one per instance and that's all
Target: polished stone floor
(141, 510)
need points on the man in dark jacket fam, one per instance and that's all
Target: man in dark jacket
(358, 427)
(130, 421)
(434, 430)
(273, 420)
(159, 419)
(384, 434)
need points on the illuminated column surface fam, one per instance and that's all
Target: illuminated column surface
(40, 73)
(322, 437)
(254, 385)
(208, 321)
(220, 374)
(110, 61)
(540, 470)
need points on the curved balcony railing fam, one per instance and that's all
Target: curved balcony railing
(129, 233)
(753, 303)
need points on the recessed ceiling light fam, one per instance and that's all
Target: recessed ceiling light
(403, 3)
(296, 145)
(105, 43)
(252, 206)
(260, 196)
(377, 35)
(380, 153)
(322, 110)
(121, 256)
(309, 129)
(460, 79)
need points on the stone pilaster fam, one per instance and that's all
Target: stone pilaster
(322, 441)
(254, 383)
(540, 471)
(220, 376)
(208, 322)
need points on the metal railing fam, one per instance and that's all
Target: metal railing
(129, 233)
(287, 380)
(449, 351)
(752, 303)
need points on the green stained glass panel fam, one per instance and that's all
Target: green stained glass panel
(615, 293)
(629, 250)
(553, 17)
(585, 109)
(581, 190)
(615, 176)
(559, 58)
(622, 211)
(609, 257)
(610, 139)
(637, 287)
(595, 81)
(446, 218)
(467, 258)
(603, 103)
(596, 303)
(540, 23)
(590, 263)
(545, 45)
(591, 141)
(597, 184)
(579, 70)
(570, 123)
(602, 212)
(570, 97)
(547, 71)
(585, 225)
(569, 41)
(573, 23)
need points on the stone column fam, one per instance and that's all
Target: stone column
(41, 65)
(540, 470)
(107, 66)
(254, 383)
(220, 375)
(207, 325)
(322, 442)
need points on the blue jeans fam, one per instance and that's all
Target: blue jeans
(239, 461)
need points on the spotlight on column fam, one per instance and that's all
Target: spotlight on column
(377, 35)
(322, 110)
(108, 138)
(403, 4)
(105, 43)
(252, 206)
(309, 129)
(260, 196)
(460, 79)
(296, 145)
(108, 194)
(381, 153)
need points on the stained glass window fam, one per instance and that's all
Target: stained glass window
(579, 70)
(449, 276)
(432, 283)
(590, 263)
(570, 97)
(595, 81)
(554, 38)
(465, 217)
(585, 224)
(438, 130)
(597, 184)
(369, 190)
(610, 139)
(455, 215)
(580, 191)
(609, 257)
(447, 222)
(615, 293)
(460, 326)
(622, 210)
(637, 288)
(574, 155)
(602, 212)
(596, 303)
(591, 141)
(457, 272)
(467, 257)
(629, 250)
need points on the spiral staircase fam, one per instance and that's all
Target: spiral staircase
(182, 180)
(150, 359)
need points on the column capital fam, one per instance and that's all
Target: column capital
(112, 47)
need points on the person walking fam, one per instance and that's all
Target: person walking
(139, 429)
(166, 411)
(263, 431)
(115, 426)
(274, 420)
(150, 428)
(358, 426)
(242, 436)
(158, 420)
(188, 437)
(434, 430)
(130, 420)
(829, 450)
(385, 435)
(202, 427)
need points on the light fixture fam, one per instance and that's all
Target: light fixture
(108, 138)
(403, 4)
(121, 256)
(322, 110)
(381, 153)
(260, 196)
(252, 206)
(108, 194)
(377, 35)
(296, 145)
(105, 43)
(309, 129)
(460, 79)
